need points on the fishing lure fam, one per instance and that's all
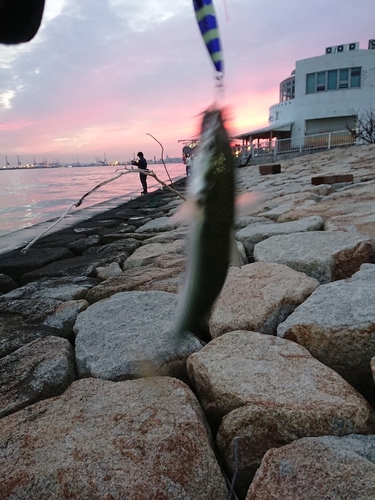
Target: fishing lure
(206, 18)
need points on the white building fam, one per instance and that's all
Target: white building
(323, 94)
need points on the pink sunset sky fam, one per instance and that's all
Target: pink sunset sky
(102, 74)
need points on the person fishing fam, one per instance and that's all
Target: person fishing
(142, 164)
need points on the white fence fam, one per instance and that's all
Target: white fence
(297, 145)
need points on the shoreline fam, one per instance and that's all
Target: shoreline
(21, 237)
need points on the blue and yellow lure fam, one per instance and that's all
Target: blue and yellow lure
(206, 17)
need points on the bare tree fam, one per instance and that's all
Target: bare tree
(364, 129)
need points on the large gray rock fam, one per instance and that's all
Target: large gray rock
(39, 370)
(64, 289)
(143, 278)
(59, 316)
(15, 332)
(131, 335)
(167, 237)
(258, 297)
(158, 225)
(147, 253)
(106, 272)
(244, 221)
(16, 263)
(84, 265)
(275, 212)
(326, 256)
(142, 439)
(337, 325)
(254, 233)
(64, 317)
(81, 245)
(120, 248)
(265, 393)
(34, 311)
(318, 468)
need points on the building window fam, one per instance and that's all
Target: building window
(321, 81)
(344, 79)
(337, 79)
(332, 80)
(355, 77)
(310, 83)
(287, 89)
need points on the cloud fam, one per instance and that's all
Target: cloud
(141, 16)
(52, 9)
(15, 125)
(101, 74)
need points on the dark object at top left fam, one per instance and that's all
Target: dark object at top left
(19, 20)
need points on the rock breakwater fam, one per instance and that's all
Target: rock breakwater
(97, 401)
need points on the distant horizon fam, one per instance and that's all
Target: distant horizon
(102, 76)
(108, 163)
(98, 162)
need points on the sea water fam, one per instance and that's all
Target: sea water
(31, 196)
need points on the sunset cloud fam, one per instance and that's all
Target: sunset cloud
(15, 125)
(101, 74)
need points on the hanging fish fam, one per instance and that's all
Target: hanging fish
(206, 17)
(211, 208)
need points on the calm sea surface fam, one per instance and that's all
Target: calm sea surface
(30, 196)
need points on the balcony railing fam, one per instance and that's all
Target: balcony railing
(298, 145)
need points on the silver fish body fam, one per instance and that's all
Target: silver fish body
(210, 240)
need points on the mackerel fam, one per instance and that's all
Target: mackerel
(211, 233)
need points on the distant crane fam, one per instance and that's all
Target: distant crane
(102, 162)
(55, 163)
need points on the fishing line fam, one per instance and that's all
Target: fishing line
(219, 90)
(130, 151)
(226, 10)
